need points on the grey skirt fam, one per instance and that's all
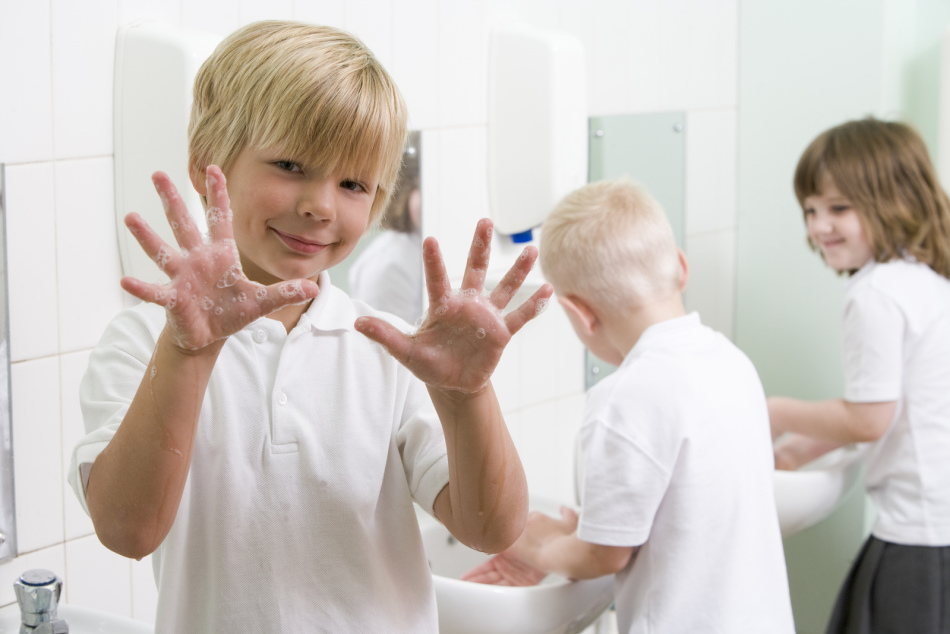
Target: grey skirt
(895, 589)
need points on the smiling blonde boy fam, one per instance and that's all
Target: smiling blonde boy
(243, 423)
(677, 493)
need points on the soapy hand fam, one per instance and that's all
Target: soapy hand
(207, 297)
(514, 567)
(464, 333)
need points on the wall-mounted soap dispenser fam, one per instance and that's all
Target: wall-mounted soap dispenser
(537, 125)
(155, 67)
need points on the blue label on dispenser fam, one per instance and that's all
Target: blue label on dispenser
(524, 236)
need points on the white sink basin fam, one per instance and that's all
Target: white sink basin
(810, 494)
(81, 621)
(557, 606)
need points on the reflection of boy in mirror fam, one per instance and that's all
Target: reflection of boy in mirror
(388, 273)
(261, 433)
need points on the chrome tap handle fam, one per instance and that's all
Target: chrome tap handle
(38, 591)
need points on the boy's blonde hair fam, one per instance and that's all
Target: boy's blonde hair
(314, 92)
(610, 243)
(884, 169)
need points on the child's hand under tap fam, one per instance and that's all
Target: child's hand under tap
(207, 297)
(463, 333)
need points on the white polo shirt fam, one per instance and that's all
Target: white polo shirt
(896, 347)
(297, 514)
(679, 462)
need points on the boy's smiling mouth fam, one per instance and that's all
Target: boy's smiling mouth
(299, 244)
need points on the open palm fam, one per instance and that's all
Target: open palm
(464, 333)
(207, 297)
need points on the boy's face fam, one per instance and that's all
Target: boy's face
(291, 220)
(835, 227)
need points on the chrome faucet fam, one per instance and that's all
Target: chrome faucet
(37, 592)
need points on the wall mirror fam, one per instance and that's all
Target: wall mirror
(7, 509)
(385, 269)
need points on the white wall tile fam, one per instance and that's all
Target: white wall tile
(52, 559)
(673, 30)
(711, 170)
(329, 12)
(165, 12)
(713, 52)
(31, 260)
(37, 449)
(545, 441)
(711, 286)
(371, 21)
(83, 61)
(255, 10)
(144, 592)
(462, 198)
(215, 16)
(26, 111)
(88, 266)
(507, 376)
(415, 62)
(71, 369)
(97, 578)
(463, 63)
(568, 352)
(539, 359)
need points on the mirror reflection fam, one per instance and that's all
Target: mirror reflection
(7, 514)
(386, 269)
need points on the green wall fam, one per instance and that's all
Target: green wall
(805, 66)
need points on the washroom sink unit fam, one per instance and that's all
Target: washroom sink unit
(556, 606)
(81, 621)
(807, 496)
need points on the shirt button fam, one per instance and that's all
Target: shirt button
(281, 399)
(260, 336)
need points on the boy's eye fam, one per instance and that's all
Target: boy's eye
(809, 211)
(840, 208)
(289, 166)
(352, 185)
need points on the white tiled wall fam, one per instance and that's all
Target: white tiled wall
(56, 140)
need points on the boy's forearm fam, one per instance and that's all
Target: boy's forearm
(485, 503)
(135, 485)
(570, 557)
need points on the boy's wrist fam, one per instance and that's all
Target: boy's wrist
(168, 340)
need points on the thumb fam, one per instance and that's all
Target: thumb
(569, 517)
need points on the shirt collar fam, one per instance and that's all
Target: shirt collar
(658, 332)
(330, 310)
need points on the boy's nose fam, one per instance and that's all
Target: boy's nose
(316, 201)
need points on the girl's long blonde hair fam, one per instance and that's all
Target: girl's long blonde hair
(884, 169)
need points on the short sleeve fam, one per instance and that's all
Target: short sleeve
(623, 487)
(115, 370)
(872, 337)
(422, 447)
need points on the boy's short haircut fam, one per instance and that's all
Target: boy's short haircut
(316, 93)
(610, 243)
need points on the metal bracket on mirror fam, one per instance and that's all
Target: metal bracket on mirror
(8, 541)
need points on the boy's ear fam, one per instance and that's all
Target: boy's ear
(198, 179)
(579, 312)
(684, 270)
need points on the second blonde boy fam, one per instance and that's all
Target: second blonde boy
(677, 494)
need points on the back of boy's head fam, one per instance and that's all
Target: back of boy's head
(316, 93)
(884, 169)
(610, 243)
